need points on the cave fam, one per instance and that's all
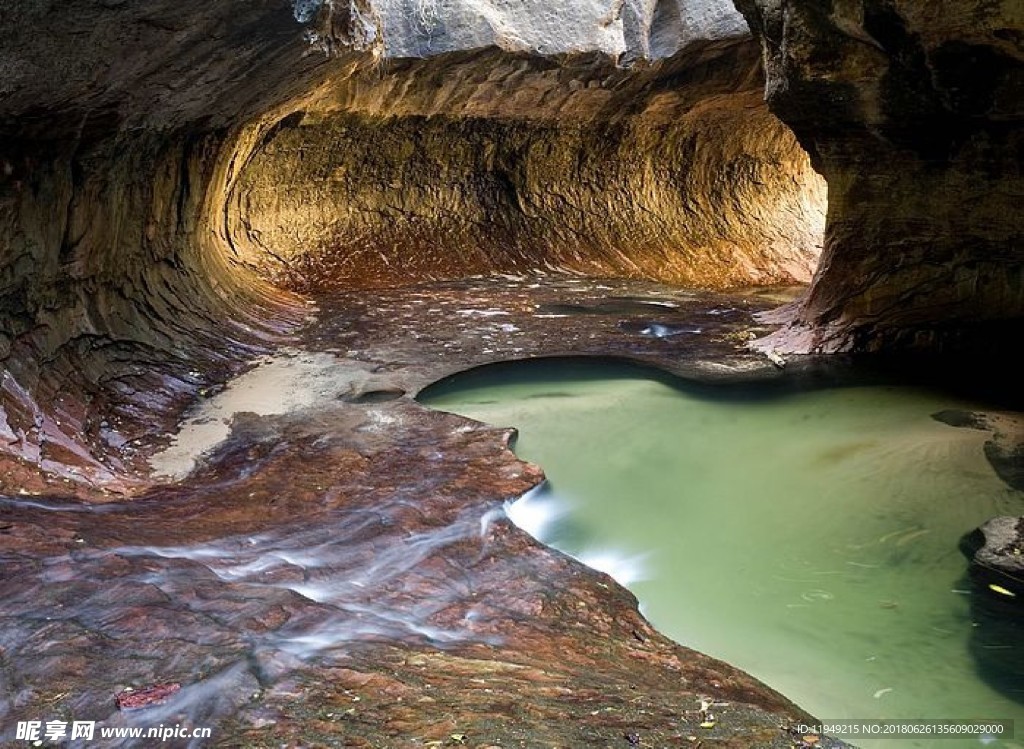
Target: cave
(348, 202)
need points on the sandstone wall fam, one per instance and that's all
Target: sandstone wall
(166, 166)
(120, 124)
(913, 112)
(493, 162)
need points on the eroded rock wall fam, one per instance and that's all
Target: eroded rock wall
(120, 127)
(493, 162)
(120, 301)
(165, 166)
(913, 112)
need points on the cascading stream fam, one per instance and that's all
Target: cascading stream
(243, 612)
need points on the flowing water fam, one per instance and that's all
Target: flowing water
(809, 538)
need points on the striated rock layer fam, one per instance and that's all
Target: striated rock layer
(913, 112)
(166, 168)
(341, 573)
(119, 127)
(494, 162)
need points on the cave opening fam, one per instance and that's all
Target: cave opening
(188, 244)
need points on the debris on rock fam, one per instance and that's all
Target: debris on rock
(133, 699)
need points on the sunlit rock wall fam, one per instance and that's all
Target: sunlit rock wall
(496, 162)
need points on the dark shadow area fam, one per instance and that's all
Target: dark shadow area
(997, 633)
(374, 396)
(943, 375)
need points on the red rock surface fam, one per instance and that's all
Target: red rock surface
(158, 694)
(345, 575)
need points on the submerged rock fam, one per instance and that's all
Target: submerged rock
(996, 554)
(1004, 449)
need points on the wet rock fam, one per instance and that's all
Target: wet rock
(996, 551)
(344, 571)
(375, 396)
(657, 329)
(133, 699)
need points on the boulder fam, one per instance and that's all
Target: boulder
(996, 551)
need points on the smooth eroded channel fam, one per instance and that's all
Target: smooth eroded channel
(809, 538)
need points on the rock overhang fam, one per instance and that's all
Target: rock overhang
(622, 30)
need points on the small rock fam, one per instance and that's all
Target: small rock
(997, 562)
(133, 699)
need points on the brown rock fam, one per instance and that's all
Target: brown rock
(131, 699)
(913, 112)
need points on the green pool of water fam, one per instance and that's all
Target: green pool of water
(809, 538)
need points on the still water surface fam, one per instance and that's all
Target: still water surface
(809, 538)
